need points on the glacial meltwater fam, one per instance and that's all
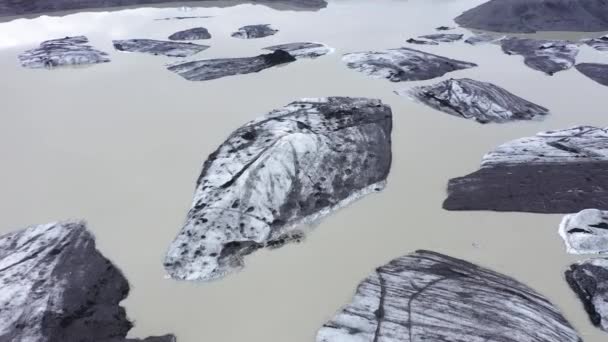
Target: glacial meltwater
(121, 144)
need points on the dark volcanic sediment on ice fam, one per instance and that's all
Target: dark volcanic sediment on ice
(595, 71)
(62, 52)
(481, 101)
(255, 31)
(159, 47)
(589, 280)
(403, 64)
(528, 16)
(275, 175)
(600, 44)
(562, 171)
(427, 296)
(56, 286)
(421, 41)
(210, 69)
(483, 38)
(303, 49)
(548, 56)
(195, 33)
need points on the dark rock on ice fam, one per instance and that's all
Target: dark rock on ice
(191, 34)
(442, 37)
(303, 50)
(585, 232)
(600, 44)
(480, 101)
(444, 28)
(56, 286)
(427, 296)
(548, 56)
(421, 41)
(254, 31)
(483, 38)
(159, 47)
(528, 16)
(595, 71)
(62, 52)
(562, 171)
(217, 68)
(29, 7)
(277, 173)
(589, 280)
(403, 64)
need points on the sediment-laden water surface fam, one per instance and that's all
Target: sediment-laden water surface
(123, 143)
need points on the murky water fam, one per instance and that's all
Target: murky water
(121, 144)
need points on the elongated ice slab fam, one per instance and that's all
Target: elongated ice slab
(210, 69)
(159, 47)
(303, 49)
(443, 37)
(483, 38)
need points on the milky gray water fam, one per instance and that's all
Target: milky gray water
(121, 145)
